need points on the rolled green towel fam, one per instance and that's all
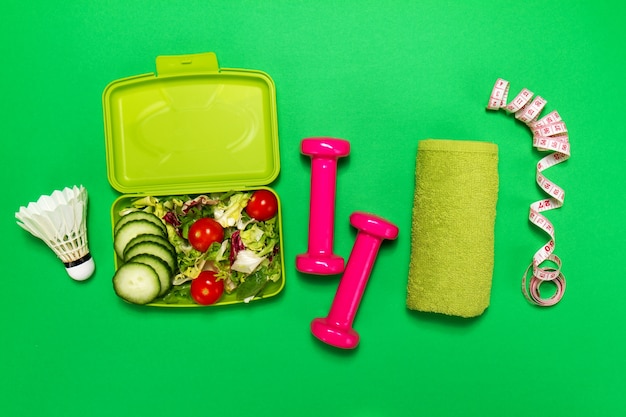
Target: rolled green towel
(452, 238)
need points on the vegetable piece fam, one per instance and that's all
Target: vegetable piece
(160, 267)
(204, 232)
(263, 205)
(138, 215)
(136, 283)
(154, 249)
(149, 238)
(260, 240)
(201, 200)
(131, 230)
(206, 289)
(229, 214)
(251, 287)
(246, 261)
(179, 294)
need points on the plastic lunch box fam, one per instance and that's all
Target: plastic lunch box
(192, 128)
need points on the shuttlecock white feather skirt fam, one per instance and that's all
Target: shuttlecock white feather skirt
(60, 220)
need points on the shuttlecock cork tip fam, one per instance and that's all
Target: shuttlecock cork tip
(81, 269)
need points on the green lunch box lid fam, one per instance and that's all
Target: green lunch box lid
(191, 127)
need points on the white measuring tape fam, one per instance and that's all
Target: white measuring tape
(549, 134)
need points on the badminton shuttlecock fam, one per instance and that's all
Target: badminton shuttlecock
(60, 220)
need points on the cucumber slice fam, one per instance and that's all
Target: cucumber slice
(150, 238)
(154, 249)
(136, 283)
(160, 267)
(139, 215)
(133, 229)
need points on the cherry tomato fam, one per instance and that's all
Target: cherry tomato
(204, 232)
(205, 289)
(262, 206)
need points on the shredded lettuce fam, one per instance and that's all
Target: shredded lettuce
(260, 237)
(246, 261)
(230, 213)
(253, 237)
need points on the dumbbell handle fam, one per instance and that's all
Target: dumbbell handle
(355, 278)
(322, 212)
(324, 153)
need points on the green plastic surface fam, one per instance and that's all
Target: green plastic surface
(191, 127)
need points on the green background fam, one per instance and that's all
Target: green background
(382, 75)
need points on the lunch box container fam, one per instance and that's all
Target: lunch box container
(192, 128)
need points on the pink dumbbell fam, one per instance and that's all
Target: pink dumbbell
(336, 328)
(324, 153)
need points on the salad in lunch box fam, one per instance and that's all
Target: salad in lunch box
(198, 250)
